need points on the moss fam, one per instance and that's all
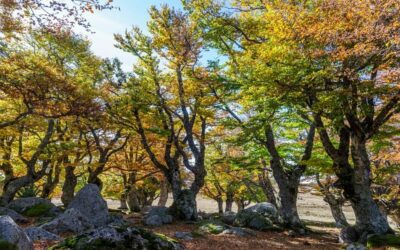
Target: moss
(5, 245)
(37, 210)
(388, 240)
(211, 226)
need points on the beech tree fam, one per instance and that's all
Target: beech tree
(172, 103)
(342, 60)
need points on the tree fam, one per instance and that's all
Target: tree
(341, 59)
(171, 104)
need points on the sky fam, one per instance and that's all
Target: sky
(106, 23)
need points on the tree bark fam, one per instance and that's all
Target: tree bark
(229, 202)
(51, 181)
(369, 218)
(163, 193)
(288, 178)
(70, 182)
(335, 203)
(266, 185)
(220, 203)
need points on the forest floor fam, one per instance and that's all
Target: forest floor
(312, 210)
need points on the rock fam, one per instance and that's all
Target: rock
(31, 206)
(12, 236)
(119, 238)
(37, 233)
(14, 215)
(355, 246)
(387, 240)
(212, 227)
(266, 209)
(154, 221)
(157, 216)
(70, 221)
(88, 202)
(239, 231)
(348, 235)
(184, 235)
(228, 218)
(253, 220)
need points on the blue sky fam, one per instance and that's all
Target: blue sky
(106, 23)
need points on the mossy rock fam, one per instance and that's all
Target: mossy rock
(119, 239)
(253, 220)
(211, 226)
(388, 240)
(38, 210)
(5, 245)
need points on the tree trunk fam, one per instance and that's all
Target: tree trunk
(122, 201)
(288, 190)
(132, 200)
(13, 186)
(369, 219)
(94, 179)
(184, 206)
(229, 202)
(51, 182)
(336, 206)
(70, 182)
(220, 203)
(266, 185)
(163, 193)
(239, 205)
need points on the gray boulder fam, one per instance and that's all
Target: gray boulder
(12, 236)
(253, 220)
(355, 246)
(88, 202)
(157, 216)
(121, 238)
(37, 233)
(265, 209)
(154, 221)
(228, 218)
(14, 215)
(183, 235)
(31, 205)
(239, 231)
(70, 221)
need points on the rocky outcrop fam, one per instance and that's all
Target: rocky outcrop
(119, 238)
(70, 221)
(89, 202)
(12, 236)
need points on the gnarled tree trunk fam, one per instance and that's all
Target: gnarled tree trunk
(70, 182)
(163, 193)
